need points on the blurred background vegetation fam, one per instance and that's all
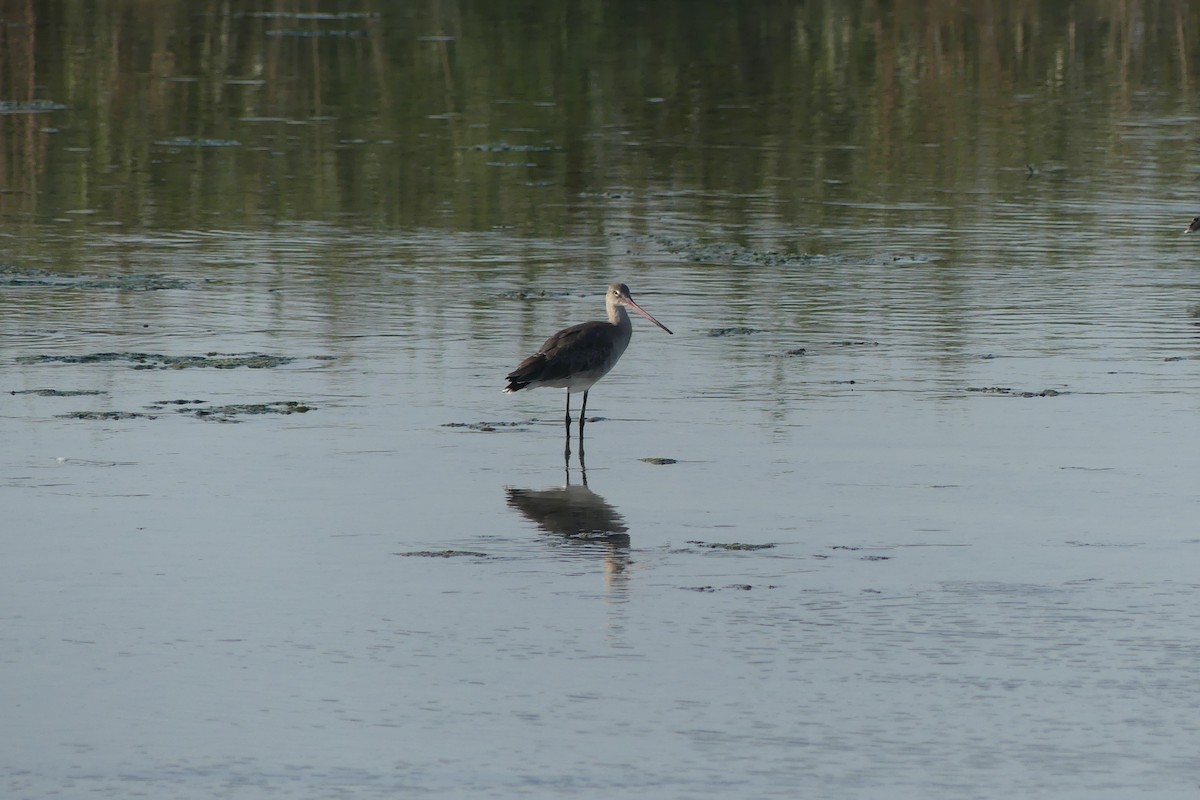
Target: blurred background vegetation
(506, 113)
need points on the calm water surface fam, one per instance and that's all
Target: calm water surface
(932, 402)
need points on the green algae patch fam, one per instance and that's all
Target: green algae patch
(658, 461)
(443, 554)
(160, 361)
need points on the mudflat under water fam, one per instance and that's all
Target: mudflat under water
(905, 508)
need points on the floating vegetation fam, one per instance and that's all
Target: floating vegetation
(139, 282)
(313, 15)
(314, 34)
(29, 106)
(854, 549)
(797, 351)
(735, 254)
(442, 554)
(488, 427)
(1008, 392)
(160, 361)
(725, 253)
(187, 141)
(106, 415)
(734, 331)
(533, 294)
(742, 587)
(659, 461)
(505, 147)
(59, 392)
(730, 545)
(718, 253)
(227, 413)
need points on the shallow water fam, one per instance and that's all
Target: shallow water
(927, 529)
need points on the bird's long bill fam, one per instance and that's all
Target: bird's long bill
(629, 302)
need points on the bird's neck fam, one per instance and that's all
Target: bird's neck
(617, 316)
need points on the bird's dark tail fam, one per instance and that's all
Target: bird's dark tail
(526, 373)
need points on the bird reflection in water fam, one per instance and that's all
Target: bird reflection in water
(583, 519)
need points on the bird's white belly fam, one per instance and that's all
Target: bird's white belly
(579, 382)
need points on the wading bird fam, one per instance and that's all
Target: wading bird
(578, 356)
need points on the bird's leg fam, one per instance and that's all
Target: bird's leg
(582, 466)
(582, 415)
(567, 440)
